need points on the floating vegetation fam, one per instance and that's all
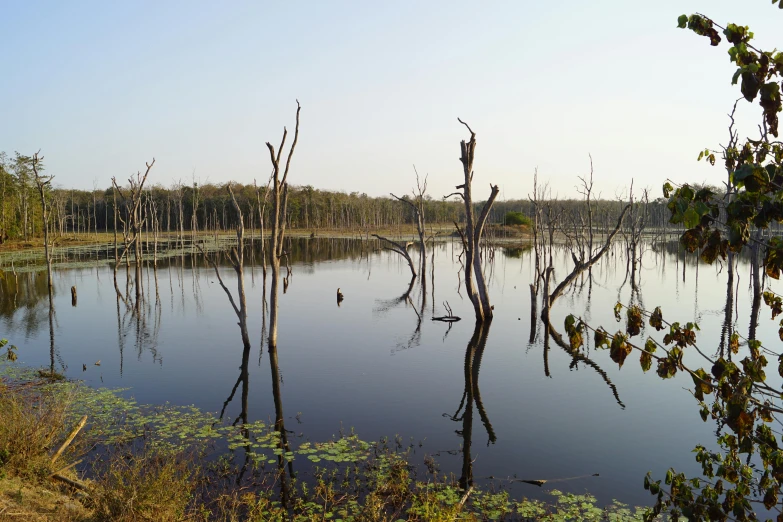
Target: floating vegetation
(114, 419)
(96, 254)
(375, 481)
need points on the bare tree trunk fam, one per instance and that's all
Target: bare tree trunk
(475, 284)
(42, 182)
(418, 214)
(134, 217)
(279, 206)
(261, 213)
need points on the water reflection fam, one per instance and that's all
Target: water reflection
(26, 292)
(470, 396)
(578, 357)
(337, 362)
(284, 465)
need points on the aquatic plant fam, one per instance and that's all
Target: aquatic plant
(152, 465)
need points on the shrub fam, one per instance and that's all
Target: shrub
(516, 218)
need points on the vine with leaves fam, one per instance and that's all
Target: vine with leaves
(747, 471)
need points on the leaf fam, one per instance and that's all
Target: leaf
(646, 361)
(634, 321)
(690, 218)
(619, 349)
(750, 86)
(682, 21)
(692, 239)
(771, 498)
(702, 382)
(734, 342)
(601, 338)
(656, 319)
(716, 246)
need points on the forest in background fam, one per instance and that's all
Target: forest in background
(192, 206)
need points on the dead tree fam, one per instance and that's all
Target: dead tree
(43, 183)
(580, 265)
(400, 248)
(586, 190)
(279, 209)
(475, 284)
(417, 206)
(237, 261)
(136, 186)
(261, 213)
(637, 222)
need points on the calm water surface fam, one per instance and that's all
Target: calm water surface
(379, 365)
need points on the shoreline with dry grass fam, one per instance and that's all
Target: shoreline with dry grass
(135, 462)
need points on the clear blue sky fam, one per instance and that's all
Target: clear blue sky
(103, 86)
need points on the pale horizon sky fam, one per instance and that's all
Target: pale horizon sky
(101, 87)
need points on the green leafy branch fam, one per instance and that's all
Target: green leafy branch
(734, 406)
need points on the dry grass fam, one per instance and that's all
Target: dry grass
(31, 428)
(143, 486)
(20, 501)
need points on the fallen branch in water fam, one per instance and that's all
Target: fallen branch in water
(73, 483)
(539, 482)
(465, 496)
(450, 318)
(66, 468)
(70, 438)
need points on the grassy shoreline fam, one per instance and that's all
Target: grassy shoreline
(511, 232)
(137, 462)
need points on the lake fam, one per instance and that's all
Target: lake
(376, 362)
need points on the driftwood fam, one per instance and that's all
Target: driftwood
(400, 249)
(66, 468)
(70, 438)
(450, 318)
(71, 482)
(540, 482)
(465, 496)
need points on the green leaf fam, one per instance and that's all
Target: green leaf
(737, 73)
(690, 218)
(682, 21)
(646, 361)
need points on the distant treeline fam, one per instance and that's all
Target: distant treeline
(183, 207)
